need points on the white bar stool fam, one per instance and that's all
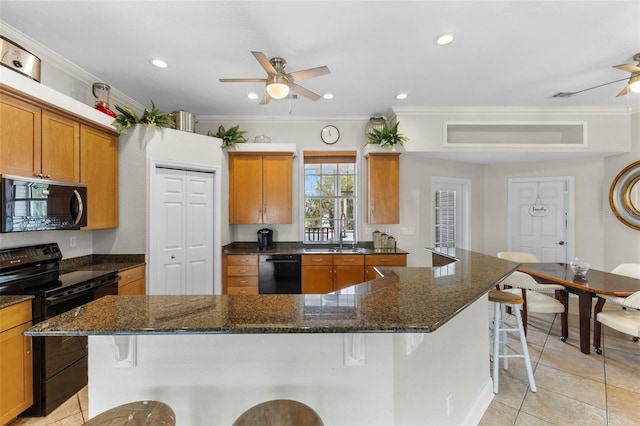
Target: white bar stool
(500, 298)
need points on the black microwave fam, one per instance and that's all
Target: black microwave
(42, 205)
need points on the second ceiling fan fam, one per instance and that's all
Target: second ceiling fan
(278, 82)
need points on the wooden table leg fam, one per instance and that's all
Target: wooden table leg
(584, 306)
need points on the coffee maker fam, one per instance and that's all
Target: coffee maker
(265, 238)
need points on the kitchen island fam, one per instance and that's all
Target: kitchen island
(408, 348)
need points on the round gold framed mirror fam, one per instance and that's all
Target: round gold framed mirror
(624, 196)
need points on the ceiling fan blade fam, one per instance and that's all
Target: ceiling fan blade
(243, 80)
(308, 73)
(265, 99)
(627, 68)
(265, 63)
(302, 91)
(624, 91)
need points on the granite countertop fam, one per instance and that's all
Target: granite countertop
(6, 301)
(102, 262)
(297, 247)
(404, 300)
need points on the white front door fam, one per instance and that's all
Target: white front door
(540, 218)
(181, 232)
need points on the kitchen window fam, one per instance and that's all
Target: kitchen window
(330, 197)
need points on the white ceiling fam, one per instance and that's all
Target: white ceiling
(506, 53)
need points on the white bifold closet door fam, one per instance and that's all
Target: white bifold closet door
(181, 232)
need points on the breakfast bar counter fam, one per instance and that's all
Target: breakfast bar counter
(408, 348)
(404, 300)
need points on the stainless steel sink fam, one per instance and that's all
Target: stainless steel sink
(349, 250)
(330, 250)
(319, 250)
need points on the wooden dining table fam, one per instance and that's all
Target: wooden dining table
(594, 283)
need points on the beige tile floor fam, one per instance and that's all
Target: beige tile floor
(573, 388)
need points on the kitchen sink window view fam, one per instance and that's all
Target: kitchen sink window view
(330, 197)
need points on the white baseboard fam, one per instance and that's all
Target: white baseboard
(480, 405)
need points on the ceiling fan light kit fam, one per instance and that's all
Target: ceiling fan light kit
(277, 87)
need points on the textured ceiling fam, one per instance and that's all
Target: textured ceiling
(506, 53)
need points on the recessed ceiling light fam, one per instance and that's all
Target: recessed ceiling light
(401, 96)
(444, 39)
(328, 96)
(252, 96)
(159, 63)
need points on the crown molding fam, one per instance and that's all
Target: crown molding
(57, 61)
(281, 119)
(418, 111)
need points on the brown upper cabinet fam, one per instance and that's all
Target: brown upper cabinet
(260, 188)
(383, 188)
(38, 143)
(99, 171)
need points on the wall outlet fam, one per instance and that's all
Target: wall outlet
(409, 230)
(368, 230)
(72, 241)
(449, 404)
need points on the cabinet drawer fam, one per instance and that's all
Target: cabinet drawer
(129, 275)
(317, 259)
(348, 259)
(15, 315)
(248, 281)
(237, 259)
(386, 259)
(242, 290)
(235, 270)
(133, 288)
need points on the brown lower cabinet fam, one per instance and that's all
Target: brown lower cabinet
(16, 368)
(240, 274)
(325, 273)
(376, 260)
(132, 281)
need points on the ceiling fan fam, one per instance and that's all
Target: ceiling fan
(278, 82)
(633, 84)
(634, 80)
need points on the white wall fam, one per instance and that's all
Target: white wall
(138, 146)
(622, 244)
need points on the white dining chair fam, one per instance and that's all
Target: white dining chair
(518, 256)
(628, 269)
(627, 319)
(524, 257)
(535, 301)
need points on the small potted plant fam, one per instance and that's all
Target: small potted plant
(229, 137)
(151, 118)
(387, 136)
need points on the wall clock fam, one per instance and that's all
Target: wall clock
(330, 134)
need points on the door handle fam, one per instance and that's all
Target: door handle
(560, 243)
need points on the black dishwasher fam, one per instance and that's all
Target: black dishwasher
(280, 274)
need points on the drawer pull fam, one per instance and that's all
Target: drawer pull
(243, 281)
(316, 260)
(243, 270)
(348, 260)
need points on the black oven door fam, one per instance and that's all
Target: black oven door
(63, 359)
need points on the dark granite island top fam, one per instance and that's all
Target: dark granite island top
(411, 299)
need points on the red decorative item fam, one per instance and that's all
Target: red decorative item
(101, 93)
(106, 110)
